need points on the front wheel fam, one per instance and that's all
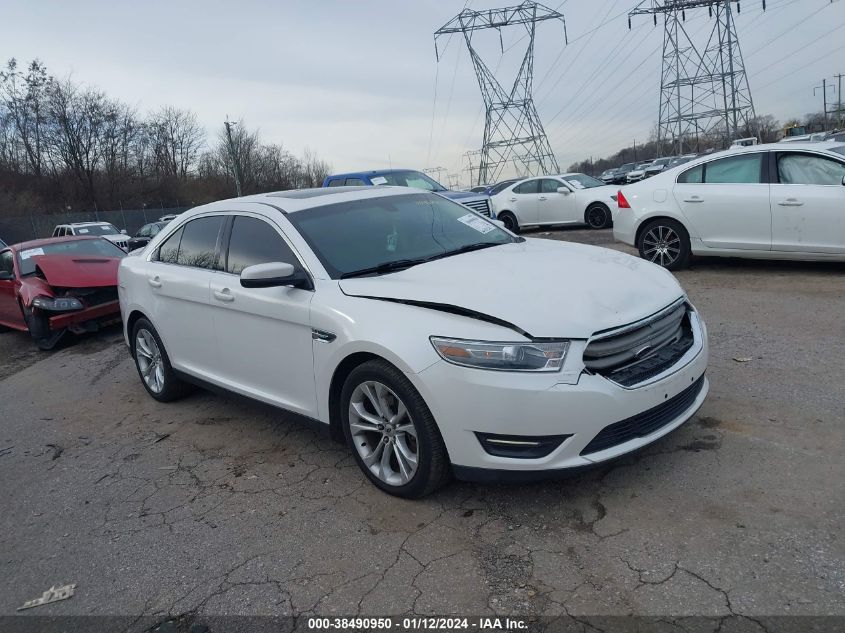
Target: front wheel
(39, 329)
(395, 439)
(666, 243)
(598, 216)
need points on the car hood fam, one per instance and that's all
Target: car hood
(462, 195)
(66, 271)
(545, 288)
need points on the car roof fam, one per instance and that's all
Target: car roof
(51, 240)
(84, 224)
(301, 199)
(372, 172)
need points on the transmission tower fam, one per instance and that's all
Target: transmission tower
(701, 89)
(512, 126)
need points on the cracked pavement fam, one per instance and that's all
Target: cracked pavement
(216, 506)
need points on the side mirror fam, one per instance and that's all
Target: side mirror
(563, 190)
(274, 274)
(843, 181)
(5, 275)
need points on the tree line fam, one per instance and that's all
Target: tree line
(765, 127)
(66, 146)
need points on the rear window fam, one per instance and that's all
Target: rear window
(74, 248)
(839, 150)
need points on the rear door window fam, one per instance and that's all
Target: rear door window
(808, 169)
(254, 241)
(338, 182)
(198, 247)
(354, 182)
(532, 186)
(741, 169)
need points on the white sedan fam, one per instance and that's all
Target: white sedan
(771, 201)
(564, 199)
(416, 331)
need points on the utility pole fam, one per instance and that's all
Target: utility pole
(823, 88)
(512, 127)
(236, 166)
(701, 87)
(839, 102)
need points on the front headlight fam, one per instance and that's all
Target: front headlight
(57, 304)
(520, 356)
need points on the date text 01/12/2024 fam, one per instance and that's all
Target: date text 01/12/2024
(420, 623)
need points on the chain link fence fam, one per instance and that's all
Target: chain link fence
(29, 227)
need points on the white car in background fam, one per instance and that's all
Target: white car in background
(90, 229)
(547, 200)
(775, 201)
(638, 173)
(364, 309)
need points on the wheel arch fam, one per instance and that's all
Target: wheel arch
(339, 376)
(648, 220)
(131, 320)
(594, 203)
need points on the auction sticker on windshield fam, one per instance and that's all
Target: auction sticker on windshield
(474, 222)
(378, 180)
(31, 252)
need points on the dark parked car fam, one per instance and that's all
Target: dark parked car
(621, 176)
(50, 286)
(144, 235)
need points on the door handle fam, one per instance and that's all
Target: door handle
(694, 199)
(155, 282)
(790, 202)
(224, 295)
(511, 199)
(542, 198)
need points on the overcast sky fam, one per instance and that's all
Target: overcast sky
(355, 81)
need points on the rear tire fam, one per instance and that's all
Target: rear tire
(153, 364)
(597, 216)
(391, 432)
(665, 242)
(509, 220)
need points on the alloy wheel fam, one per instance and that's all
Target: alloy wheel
(661, 245)
(596, 217)
(383, 433)
(150, 362)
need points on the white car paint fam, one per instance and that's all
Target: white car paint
(262, 342)
(88, 228)
(765, 219)
(552, 206)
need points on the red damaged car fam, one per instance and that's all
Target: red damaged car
(55, 285)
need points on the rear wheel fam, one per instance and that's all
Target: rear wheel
(666, 243)
(153, 364)
(598, 216)
(394, 437)
(509, 220)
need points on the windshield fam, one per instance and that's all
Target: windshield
(408, 179)
(627, 167)
(95, 229)
(838, 150)
(351, 237)
(581, 181)
(87, 248)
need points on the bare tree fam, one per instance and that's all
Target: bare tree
(24, 95)
(176, 139)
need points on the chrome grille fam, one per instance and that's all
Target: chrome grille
(479, 206)
(633, 354)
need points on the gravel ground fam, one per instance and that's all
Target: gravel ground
(215, 506)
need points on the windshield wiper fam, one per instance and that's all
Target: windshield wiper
(386, 267)
(463, 249)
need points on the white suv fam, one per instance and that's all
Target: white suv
(100, 229)
(364, 309)
(776, 201)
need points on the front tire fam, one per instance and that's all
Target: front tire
(597, 217)
(509, 220)
(391, 431)
(39, 329)
(665, 242)
(153, 364)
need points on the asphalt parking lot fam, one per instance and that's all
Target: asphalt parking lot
(215, 506)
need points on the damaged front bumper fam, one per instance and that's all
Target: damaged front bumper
(88, 319)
